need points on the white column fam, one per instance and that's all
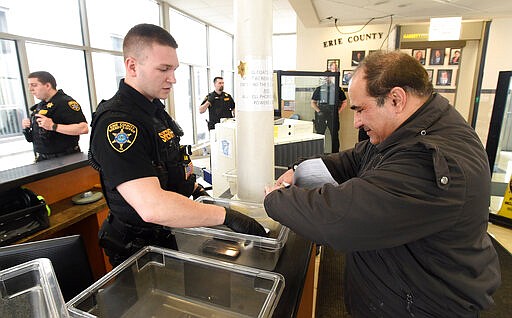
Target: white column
(254, 100)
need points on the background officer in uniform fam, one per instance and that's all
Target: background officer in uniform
(56, 122)
(326, 112)
(146, 175)
(219, 103)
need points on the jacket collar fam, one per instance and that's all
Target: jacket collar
(420, 122)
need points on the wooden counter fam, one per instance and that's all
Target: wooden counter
(67, 218)
(502, 234)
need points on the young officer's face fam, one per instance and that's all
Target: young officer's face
(378, 121)
(155, 71)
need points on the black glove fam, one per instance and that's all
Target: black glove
(240, 222)
(199, 192)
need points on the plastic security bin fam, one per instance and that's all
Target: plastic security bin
(220, 242)
(31, 290)
(157, 282)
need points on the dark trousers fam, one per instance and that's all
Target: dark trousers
(328, 118)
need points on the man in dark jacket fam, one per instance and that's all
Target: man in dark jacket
(410, 206)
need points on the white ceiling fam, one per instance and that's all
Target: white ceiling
(219, 13)
(319, 13)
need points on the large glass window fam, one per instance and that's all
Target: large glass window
(13, 146)
(228, 83)
(68, 68)
(12, 103)
(56, 20)
(221, 49)
(108, 71)
(110, 20)
(201, 90)
(191, 38)
(183, 103)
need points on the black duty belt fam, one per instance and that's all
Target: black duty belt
(46, 156)
(128, 229)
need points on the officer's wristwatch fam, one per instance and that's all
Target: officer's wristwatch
(54, 127)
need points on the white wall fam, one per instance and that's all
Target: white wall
(313, 50)
(312, 55)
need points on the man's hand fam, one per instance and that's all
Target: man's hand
(286, 178)
(44, 122)
(25, 123)
(242, 223)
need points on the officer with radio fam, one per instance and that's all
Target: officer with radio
(146, 175)
(56, 121)
(326, 111)
(219, 104)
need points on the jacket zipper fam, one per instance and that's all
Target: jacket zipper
(410, 302)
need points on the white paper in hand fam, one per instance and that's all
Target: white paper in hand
(312, 173)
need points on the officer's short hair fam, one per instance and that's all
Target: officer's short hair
(217, 78)
(385, 70)
(44, 77)
(144, 35)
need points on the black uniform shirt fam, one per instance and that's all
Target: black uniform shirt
(122, 146)
(221, 106)
(325, 95)
(62, 109)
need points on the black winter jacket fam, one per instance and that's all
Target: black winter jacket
(411, 213)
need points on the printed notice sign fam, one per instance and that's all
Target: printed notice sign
(254, 84)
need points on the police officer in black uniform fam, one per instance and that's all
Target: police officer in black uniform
(56, 122)
(323, 102)
(219, 103)
(146, 175)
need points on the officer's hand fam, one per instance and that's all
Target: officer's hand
(25, 123)
(242, 223)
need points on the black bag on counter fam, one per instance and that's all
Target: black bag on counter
(22, 213)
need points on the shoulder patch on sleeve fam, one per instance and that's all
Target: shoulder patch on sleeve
(74, 105)
(121, 135)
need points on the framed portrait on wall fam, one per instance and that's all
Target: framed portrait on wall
(346, 76)
(333, 65)
(357, 57)
(444, 77)
(437, 57)
(420, 55)
(455, 56)
(430, 73)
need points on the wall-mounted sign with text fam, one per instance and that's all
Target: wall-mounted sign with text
(354, 39)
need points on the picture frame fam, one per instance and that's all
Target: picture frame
(346, 76)
(437, 56)
(444, 77)
(455, 56)
(420, 55)
(430, 73)
(336, 62)
(357, 57)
